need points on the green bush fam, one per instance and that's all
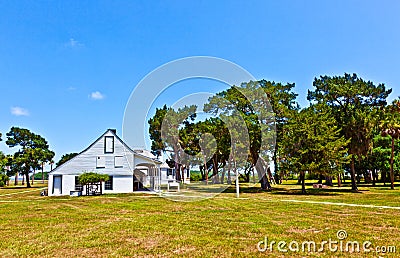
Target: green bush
(312, 176)
(91, 178)
(195, 176)
(3, 180)
(38, 176)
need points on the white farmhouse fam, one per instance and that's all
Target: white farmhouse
(129, 170)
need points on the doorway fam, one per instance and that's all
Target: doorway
(57, 182)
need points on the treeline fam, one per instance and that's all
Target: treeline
(31, 155)
(348, 128)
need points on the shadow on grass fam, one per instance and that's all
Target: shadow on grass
(285, 191)
(318, 192)
(348, 184)
(33, 187)
(379, 185)
(252, 190)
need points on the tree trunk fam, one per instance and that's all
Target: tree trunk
(275, 159)
(303, 182)
(16, 179)
(321, 177)
(223, 175)
(246, 175)
(328, 181)
(42, 173)
(339, 181)
(391, 166)
(271, 178)
(177, 165)
(353, 175)
(33, 176)
(215, 170)
(254, 178)
(182, 171)
(23, 179)
(177, 172)
(262, 174)
(373, 177)
(206, 170)
(28, 184)
(383, 177)
(265, 185)
(237, 176)
(229, 171)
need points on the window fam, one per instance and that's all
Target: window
(118, 161)
(78, 186)
(100, 162)
(170, 172)
(109, 144)
(108, 185)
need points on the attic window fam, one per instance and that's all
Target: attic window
(100, 162)
(109, 144)
(118, 161)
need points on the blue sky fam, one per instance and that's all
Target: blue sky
(67, 68)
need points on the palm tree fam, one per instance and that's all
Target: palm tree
(391, 127)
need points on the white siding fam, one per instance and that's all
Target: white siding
(121, 184)
(68, 184)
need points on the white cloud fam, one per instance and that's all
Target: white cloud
(71, 88)
(97, 95)
(19, 111)
(72, 43)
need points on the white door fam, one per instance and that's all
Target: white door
(57, 185)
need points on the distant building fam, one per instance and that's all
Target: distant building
(129, 170)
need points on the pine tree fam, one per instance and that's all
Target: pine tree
(313, 144)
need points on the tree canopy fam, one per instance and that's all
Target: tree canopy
(33, 149)
(355, 105)
(64, 158)
(347, 127)
(312, 143)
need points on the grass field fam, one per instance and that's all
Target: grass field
(144, 225)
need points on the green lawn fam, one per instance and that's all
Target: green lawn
(146, 225)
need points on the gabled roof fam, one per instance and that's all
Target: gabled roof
(113, 131)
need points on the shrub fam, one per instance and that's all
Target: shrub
(38, 176)
(3, 180)
(195, 176)
(91, 178)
